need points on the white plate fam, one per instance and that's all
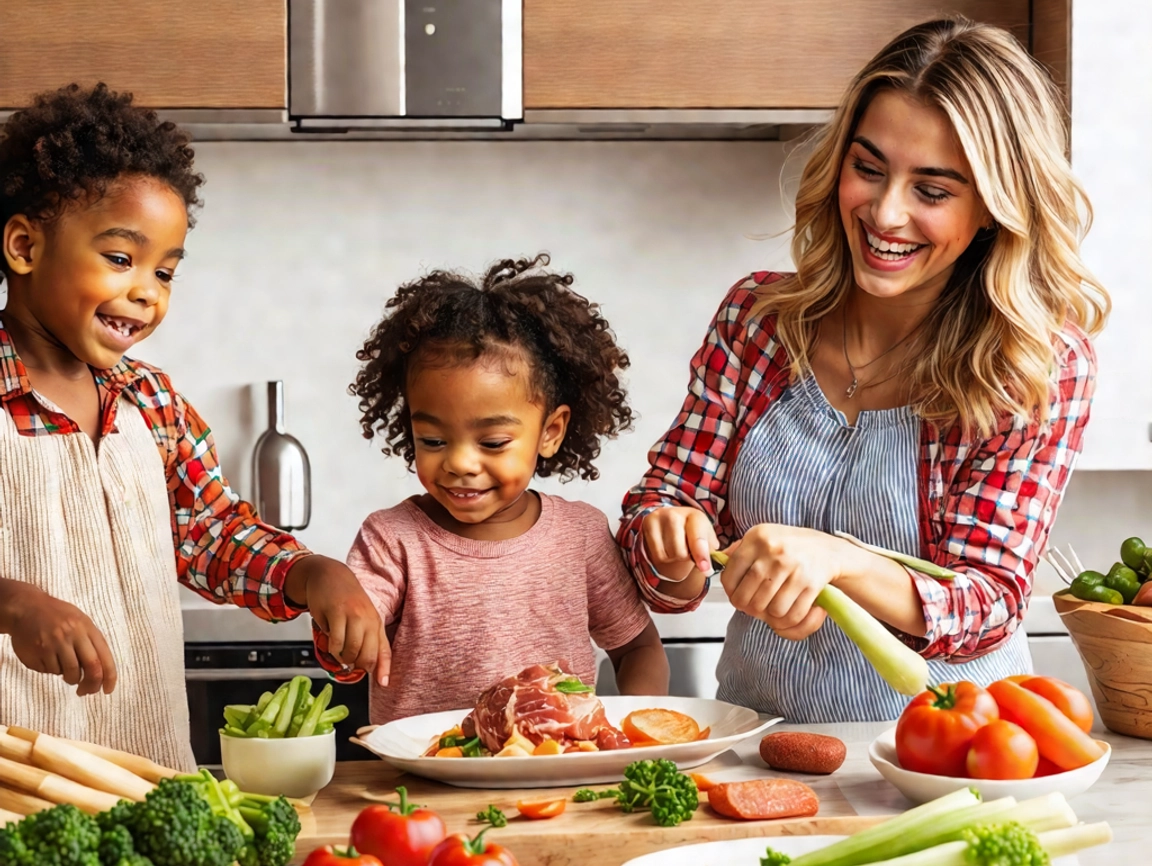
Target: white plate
(402, 743)
(747, 852)
(922, 787)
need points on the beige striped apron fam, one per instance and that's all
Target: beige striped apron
(92, 526)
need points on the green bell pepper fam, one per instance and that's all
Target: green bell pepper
(1132, 552)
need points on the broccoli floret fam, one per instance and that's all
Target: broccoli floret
(774, 858)
(1009, 844)
(13, 851)
(176, 826)
(61, 836)
(275, 825)
(587, 795)
(660, 786)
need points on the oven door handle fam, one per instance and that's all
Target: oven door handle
(209, 675)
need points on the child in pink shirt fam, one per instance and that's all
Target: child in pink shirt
(480, 388)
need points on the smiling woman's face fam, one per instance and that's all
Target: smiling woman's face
(907, 201)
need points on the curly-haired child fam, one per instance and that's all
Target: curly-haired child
(110, 487)
(480, 387)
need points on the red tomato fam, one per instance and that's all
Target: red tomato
(936, 728)
(1046, 768)
(1002, 750)
(1057, 737)
(541, 808)
(404, 837)
(1068, 699)
(461, 851)
(329, 856)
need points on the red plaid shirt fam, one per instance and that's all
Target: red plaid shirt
(985, 506)
(223, 551)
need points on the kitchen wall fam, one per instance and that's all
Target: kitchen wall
(299, 246)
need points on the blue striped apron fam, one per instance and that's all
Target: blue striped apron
(802, 464)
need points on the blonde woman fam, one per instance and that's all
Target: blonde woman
(921, 382)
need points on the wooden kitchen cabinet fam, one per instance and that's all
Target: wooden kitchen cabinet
(686, 54)
(206, 54)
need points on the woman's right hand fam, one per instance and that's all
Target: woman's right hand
(51, 636)
(678, 541)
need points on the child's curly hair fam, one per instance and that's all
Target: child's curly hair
(73, 142)
(517, 309)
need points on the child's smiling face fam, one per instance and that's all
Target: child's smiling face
(97, 279)
(478, 431)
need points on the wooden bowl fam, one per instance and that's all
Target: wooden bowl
(1115, 644)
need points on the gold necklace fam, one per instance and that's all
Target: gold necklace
(850, 392)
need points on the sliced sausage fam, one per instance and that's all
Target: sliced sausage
(761, 799)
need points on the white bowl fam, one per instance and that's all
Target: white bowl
(922, 787)
(293, 766)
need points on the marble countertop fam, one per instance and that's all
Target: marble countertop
(1122, 796)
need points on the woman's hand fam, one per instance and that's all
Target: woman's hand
(51, 636)
(679, 540)
(775, 573)
(342, 610)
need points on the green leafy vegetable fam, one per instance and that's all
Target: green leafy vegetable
(658, 785)
(587, 795)
(492, 816)
(573, 686)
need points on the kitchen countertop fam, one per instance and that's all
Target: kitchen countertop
(1119, 797)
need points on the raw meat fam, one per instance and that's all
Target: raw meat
(530, 702)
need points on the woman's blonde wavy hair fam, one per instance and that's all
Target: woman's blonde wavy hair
(989, 345)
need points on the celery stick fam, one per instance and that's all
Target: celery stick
(902, 668)
(294, 728)
(236, 714)
(233, 731)
(272, 708)
(863, 847)
(312, 719)
(325, 728)
(915, 563)
(1069, 840)
(333, 715)
(287, 709)
(1056, 843)
(263, 702)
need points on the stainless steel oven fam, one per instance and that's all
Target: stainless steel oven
(218, 674)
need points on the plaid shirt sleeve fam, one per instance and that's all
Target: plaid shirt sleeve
(992, 520)
(688, 465)
(223, 551)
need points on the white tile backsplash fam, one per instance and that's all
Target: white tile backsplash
(300, 244)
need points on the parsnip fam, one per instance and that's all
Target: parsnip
(14, 749)
(66, 760)
(142, 767)
(21, 803)
(7, 817)
(54, 788)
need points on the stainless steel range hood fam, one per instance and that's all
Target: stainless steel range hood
(404, 65)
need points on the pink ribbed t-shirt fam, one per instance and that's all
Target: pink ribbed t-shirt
(466, 614)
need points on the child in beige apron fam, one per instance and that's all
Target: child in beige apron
(110, 488)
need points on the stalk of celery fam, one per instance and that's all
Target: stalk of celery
(937, 825)
(863, 846)
(1056, 843)
(903, 669)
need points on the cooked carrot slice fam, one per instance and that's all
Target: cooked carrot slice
(704, 734)
(648, 727)
(450, 752)
(548, 747)
(703, 783)
(541, 809)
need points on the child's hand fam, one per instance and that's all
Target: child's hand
(342, 610)
(775, 573)
(54, 637)
(678, 540)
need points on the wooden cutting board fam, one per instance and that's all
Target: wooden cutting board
(587, 834)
